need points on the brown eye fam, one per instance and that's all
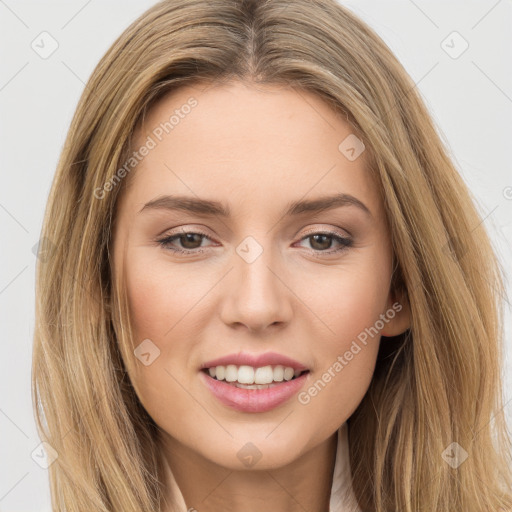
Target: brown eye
(322, 242)
(189, 242)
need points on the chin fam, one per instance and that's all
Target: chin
(259, 452)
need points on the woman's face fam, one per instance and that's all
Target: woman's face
(270, 277)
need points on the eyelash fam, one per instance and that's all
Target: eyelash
(345, 242)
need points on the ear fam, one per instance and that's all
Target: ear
(398, 312)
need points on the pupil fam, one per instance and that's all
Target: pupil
(188, 238)
(322, 246)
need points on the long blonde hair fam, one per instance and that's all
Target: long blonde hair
(437, 384)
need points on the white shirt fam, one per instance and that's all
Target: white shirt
(342, 497)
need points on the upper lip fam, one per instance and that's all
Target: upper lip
(255, 360)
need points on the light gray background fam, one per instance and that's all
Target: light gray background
(470, 98)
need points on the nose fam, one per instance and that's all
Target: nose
(256, 294)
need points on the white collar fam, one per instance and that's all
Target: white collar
(342, 495)
(342, 498)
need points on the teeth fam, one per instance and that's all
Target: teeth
(278, 373)
(254, 386)
(264, 375)
(246, 375)
(220, 371)
(288, 373)
(231, 373)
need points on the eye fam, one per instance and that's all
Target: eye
(188, 239)
(322, 241)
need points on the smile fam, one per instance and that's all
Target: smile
(250, 389)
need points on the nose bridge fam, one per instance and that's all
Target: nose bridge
(257, 297)
(254, 261)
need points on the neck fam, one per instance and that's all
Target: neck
(304, 484)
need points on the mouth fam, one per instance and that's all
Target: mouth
(247, 377)
(253, 390)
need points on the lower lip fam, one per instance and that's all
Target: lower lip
(254, 400)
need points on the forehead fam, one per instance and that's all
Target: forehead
(234, 140)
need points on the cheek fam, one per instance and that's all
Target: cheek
(349, 302)
(345, 362)
(159, 299)
(346, 353)
(160, 311)
(160, 305)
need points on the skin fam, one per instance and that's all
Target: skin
(255, 148)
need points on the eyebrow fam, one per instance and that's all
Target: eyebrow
(207, 207)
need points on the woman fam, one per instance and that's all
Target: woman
(267, 289)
